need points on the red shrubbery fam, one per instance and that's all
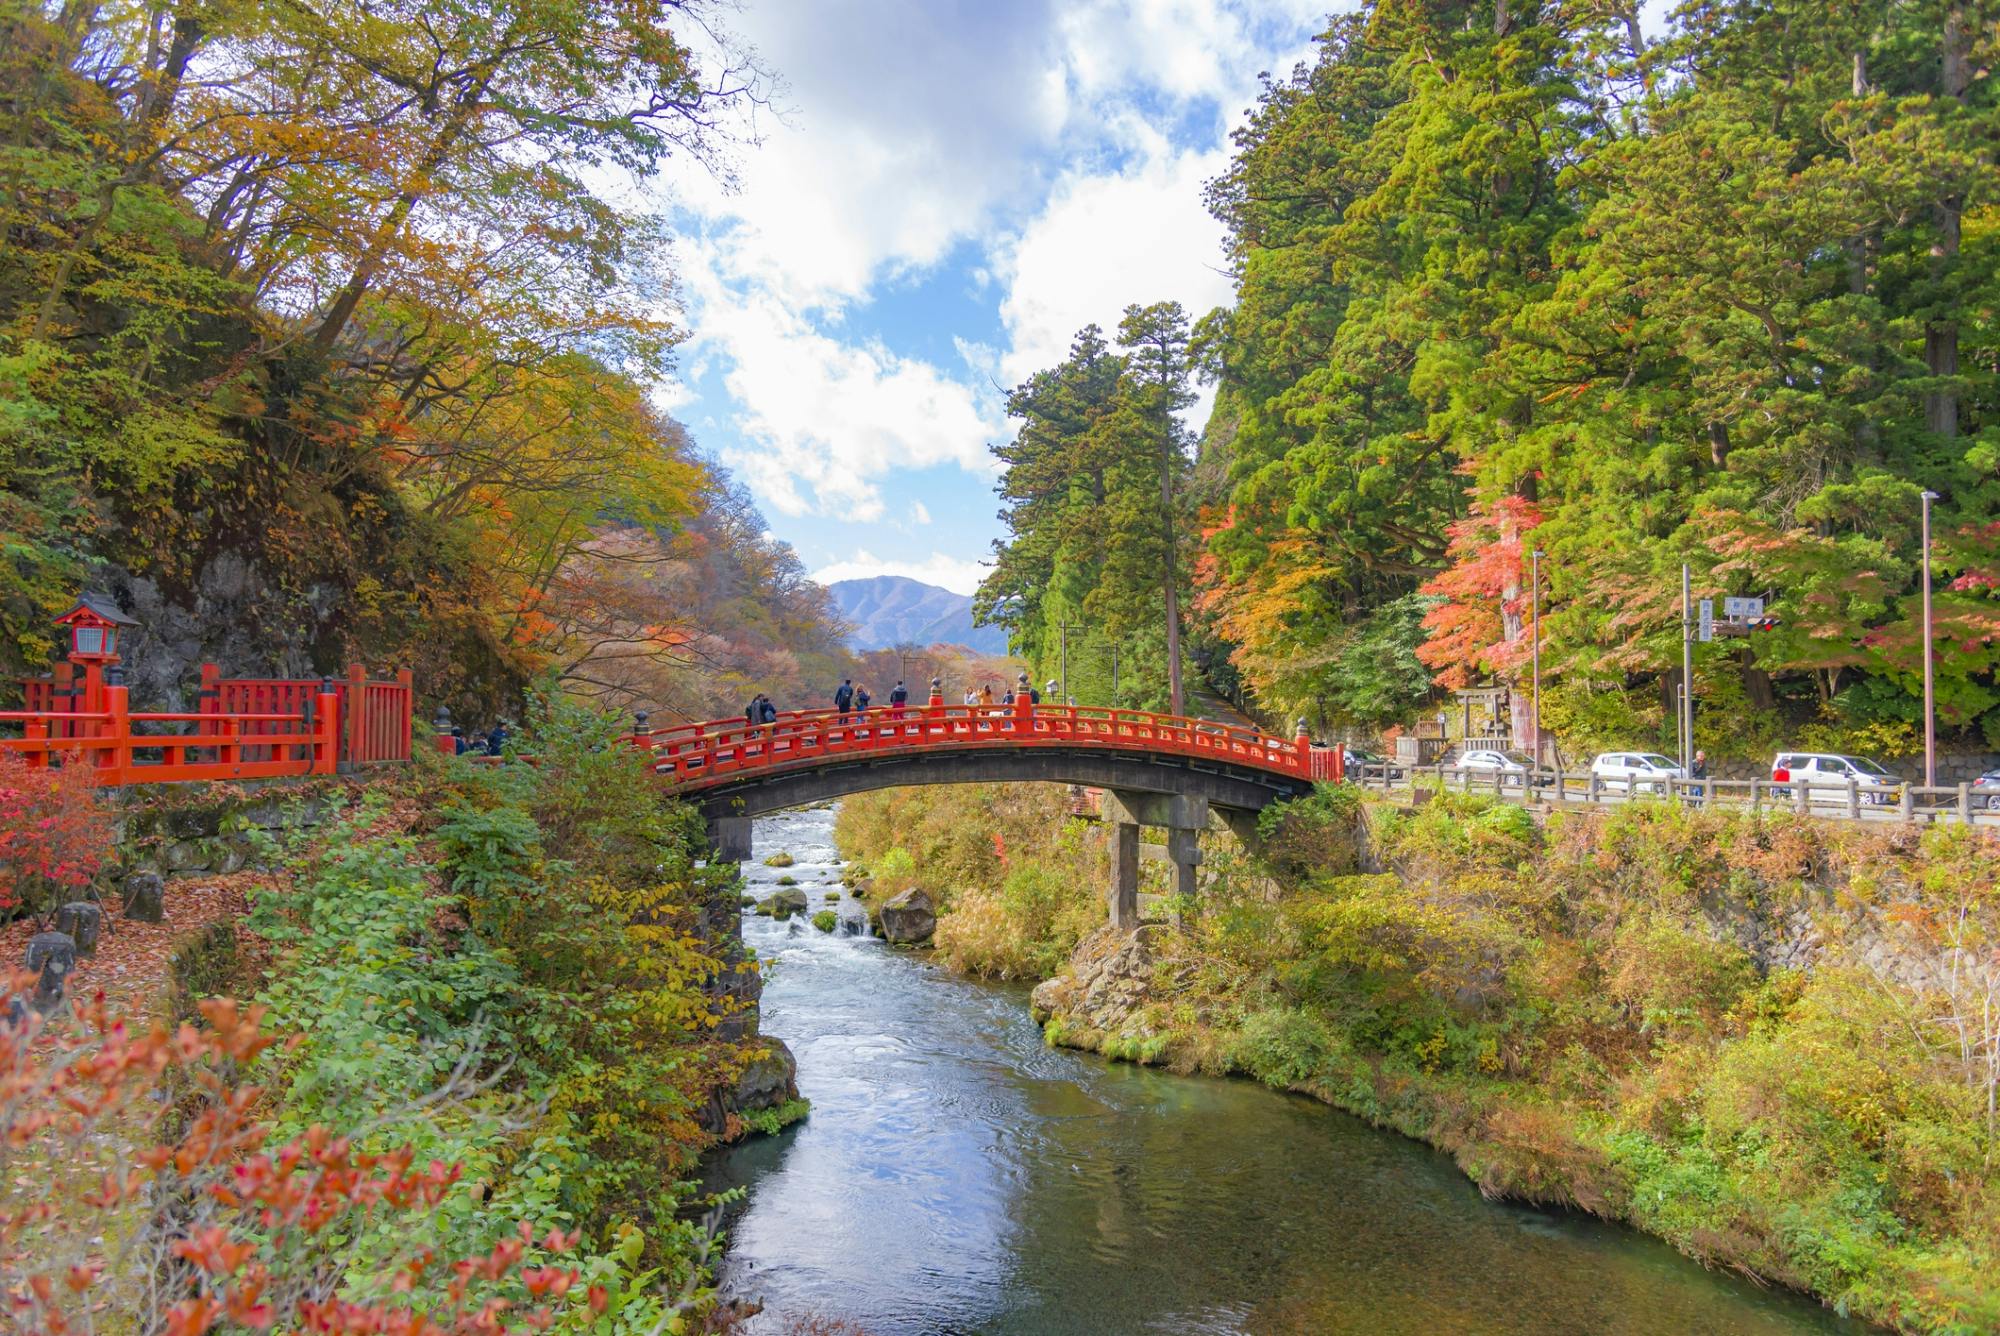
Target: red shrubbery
(216, 1229)
(54, 832)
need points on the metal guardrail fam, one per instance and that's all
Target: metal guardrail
(1960, 803)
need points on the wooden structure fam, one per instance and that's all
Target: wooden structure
(693, 757)
(241, 728)
(125, 746)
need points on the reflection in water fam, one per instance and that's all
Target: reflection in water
(957, 1175)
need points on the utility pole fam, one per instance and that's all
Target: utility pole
(1535, 631)
(1062, 659)
(1687, 670)
(1930, 699)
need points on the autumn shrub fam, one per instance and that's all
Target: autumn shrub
(236, 1223)
(1317, 835)
(56, 834)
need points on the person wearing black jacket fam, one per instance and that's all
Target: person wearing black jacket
(843, 696)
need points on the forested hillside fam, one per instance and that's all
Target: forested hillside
(1516, 276)
(328, 332)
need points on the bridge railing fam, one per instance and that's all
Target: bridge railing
(688, 753)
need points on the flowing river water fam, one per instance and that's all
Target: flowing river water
(956, 1176)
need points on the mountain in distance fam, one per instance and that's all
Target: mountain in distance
(891, 610)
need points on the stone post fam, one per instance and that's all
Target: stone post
(82, 922)
(146, 897)
(51, 955)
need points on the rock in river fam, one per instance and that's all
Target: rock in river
(909, 917)
(789, 901)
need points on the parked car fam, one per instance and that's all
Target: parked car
(1358, 763)
(1634, 772)
(1514, 767)
(1987, 787)
(1827, 775)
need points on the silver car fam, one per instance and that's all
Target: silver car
(1634, 772)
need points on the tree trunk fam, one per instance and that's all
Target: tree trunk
(1941, 334)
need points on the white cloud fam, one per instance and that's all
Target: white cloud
(1104, 241)
(1055, 149)
(824, 420)
(946, 572)
(919, 513)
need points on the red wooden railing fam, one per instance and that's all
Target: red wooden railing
(378, 713)
(124, 746)
(694, 756)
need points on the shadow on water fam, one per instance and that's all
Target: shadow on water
(957, 1175)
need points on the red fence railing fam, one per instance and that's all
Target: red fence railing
(693, 756)
(378, 713)
(123, 746)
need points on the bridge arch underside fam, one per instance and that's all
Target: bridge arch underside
(1233, 789)
(1140, 789)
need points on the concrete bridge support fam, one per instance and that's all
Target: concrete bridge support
(1125, 811)
(729, 836)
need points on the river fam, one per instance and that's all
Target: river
(956, 1176)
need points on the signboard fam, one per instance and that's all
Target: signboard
(1707, 631)
(1742, 609)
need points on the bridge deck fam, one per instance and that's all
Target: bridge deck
(693, 757)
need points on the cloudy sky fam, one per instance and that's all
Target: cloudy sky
(949, 192)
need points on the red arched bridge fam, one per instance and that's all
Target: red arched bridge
(1155, 769)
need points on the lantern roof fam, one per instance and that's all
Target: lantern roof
(95, 610)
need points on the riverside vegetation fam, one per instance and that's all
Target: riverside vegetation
(508, 975)
(1774, 1043)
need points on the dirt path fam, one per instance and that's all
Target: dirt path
(131, 960)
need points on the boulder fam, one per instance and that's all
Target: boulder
(146, 897)
(909, 917)
(1109, 979)
(82, 922)
(51, 955)
(787, 902)
(767, 1080)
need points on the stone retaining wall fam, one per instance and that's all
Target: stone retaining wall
(217, 828)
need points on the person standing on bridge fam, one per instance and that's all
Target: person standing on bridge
(899, 696)
(843, 696)
(986, 693)
(754, 710)
(768, 712)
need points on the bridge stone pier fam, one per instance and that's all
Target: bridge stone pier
(1183, 816)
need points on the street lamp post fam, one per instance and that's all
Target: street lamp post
(1687, 671)
(1535, 633)
(1930, 699)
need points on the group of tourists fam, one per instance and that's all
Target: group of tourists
(493, 743)
(852, 700)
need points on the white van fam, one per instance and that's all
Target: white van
(1827, 775)
(1634, 772)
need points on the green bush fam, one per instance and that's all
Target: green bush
(825, 920)
(779, 859)
(1284, 1048)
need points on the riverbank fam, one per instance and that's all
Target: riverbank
(1741, 1037)
(959, 1174)
(490, 1019)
